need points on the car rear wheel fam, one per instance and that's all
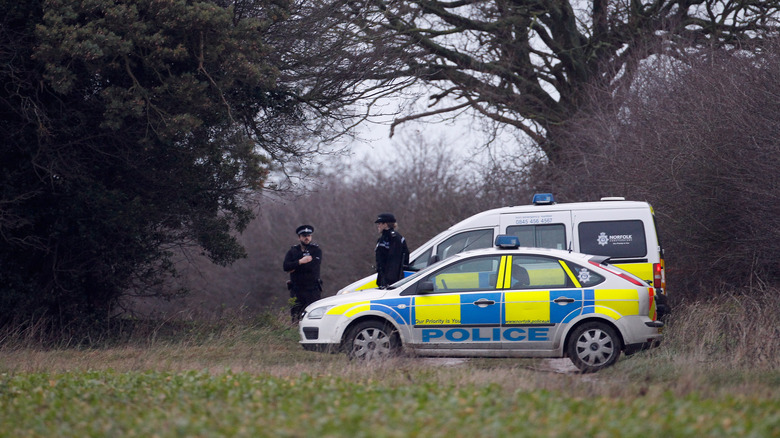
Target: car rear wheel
(593, 346)
(370, 340)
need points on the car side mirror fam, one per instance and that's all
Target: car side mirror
(425, 287)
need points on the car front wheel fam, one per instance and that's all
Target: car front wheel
(593, 346)
(369, 340)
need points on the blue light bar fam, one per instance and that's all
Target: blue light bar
(543, 199)
(505, 241)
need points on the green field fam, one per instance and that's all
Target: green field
(254, 380)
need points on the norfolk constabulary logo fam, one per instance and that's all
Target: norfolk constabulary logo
(603, 239)
(583, 276)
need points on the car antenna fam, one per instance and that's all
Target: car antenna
(570, 247)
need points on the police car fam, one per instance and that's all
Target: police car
(504, 301)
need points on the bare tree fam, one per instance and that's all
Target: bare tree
(526, 64)
(700, 140)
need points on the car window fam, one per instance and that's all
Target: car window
(467, 240)
(421, 261)
(538, 272)
(625, 239)
(479, 273)
(585, 276)
(540, 236)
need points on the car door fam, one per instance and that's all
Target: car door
(541, 296)
(464, 309)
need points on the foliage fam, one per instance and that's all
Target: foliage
(196, 403)
(130, 128)
(528, 64)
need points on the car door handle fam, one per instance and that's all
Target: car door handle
(563, 300)
(482, 302)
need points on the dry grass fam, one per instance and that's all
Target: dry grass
(723, 346)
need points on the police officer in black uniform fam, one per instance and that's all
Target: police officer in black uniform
(303, 263)
(391, 252)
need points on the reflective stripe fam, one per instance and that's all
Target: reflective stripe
(349, 309)
(501, 268)
(508, 272)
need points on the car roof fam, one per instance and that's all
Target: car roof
(559, 253)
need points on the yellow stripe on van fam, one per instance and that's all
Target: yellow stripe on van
(621, 302)
(530, 307)
(350, 309)
(437, 309)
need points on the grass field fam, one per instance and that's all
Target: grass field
(250, 378)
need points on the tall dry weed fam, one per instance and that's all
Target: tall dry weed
(737, 328)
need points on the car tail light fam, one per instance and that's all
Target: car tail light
(658, 275)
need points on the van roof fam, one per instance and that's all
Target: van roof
(595, 205)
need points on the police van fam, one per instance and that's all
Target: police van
(624, 231)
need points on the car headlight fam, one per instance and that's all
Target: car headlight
(318, 313)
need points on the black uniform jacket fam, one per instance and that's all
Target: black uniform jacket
(391, 256)
(307, 275)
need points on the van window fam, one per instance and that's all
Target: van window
(540, 236)
(623, 239)
(465, 241)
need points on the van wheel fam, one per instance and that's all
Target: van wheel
(593, 346)
(370, 340)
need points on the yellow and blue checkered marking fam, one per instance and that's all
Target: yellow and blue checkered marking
(457, 309)
(510, 308)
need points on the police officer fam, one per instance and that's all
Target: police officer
(303, 263)
(391, 252)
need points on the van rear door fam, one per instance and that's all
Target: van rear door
(539, 229)
(626, 235)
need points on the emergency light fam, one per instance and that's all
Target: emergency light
(543, 199)
(505, 241)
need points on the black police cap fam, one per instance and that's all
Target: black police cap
(304, 229)
(385, 218)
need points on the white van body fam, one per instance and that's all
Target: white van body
(623, 230)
